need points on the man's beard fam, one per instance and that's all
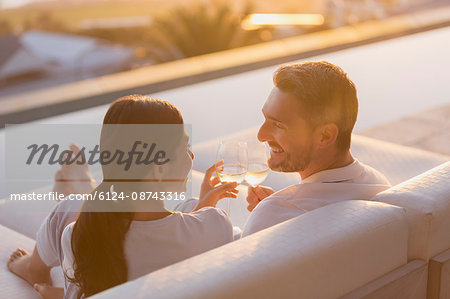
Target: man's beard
(292, 163)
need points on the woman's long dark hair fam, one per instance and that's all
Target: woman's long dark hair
(98, 237)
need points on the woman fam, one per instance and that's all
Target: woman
(116, 241)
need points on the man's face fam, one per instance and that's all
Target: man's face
(288, 135)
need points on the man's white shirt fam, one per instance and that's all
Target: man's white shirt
(355, 181)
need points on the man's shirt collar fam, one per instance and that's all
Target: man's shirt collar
(342, 174)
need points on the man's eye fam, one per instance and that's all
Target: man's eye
(278, 125)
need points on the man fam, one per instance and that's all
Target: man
(309, 118)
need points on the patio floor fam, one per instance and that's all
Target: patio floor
(428, 130)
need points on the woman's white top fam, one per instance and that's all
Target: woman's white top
(151, 245)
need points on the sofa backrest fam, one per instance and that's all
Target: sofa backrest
(426, 199)
(397, 162)
(325, 253)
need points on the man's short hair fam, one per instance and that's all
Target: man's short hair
(325, 93)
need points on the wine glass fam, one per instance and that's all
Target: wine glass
(234, 155)
(257, 163)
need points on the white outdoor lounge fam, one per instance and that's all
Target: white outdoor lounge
(397, 245)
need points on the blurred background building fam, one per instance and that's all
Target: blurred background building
(47, 43)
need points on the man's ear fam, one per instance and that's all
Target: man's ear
(326, 135)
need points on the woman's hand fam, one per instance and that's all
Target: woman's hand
(212, 191)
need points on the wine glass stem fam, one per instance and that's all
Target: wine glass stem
(228, 206)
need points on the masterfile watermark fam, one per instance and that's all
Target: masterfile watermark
(96, 195)
(68, 157)
(135, 166)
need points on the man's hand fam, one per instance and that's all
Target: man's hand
(212, 191)
(256, 194)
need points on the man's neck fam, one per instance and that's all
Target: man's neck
(336, 161)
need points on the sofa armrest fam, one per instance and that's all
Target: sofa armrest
(426, 199)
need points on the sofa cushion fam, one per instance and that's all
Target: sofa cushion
(325, 253)
(24, 222)
(426, 199)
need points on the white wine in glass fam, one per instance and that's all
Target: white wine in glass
(229, 173)
(257, 163)
(235, 163)
(256, 174)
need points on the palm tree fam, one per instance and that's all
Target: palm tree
(200, 29)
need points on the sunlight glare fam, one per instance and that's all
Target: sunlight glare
(255, 21)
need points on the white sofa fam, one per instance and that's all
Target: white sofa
(353, 249)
